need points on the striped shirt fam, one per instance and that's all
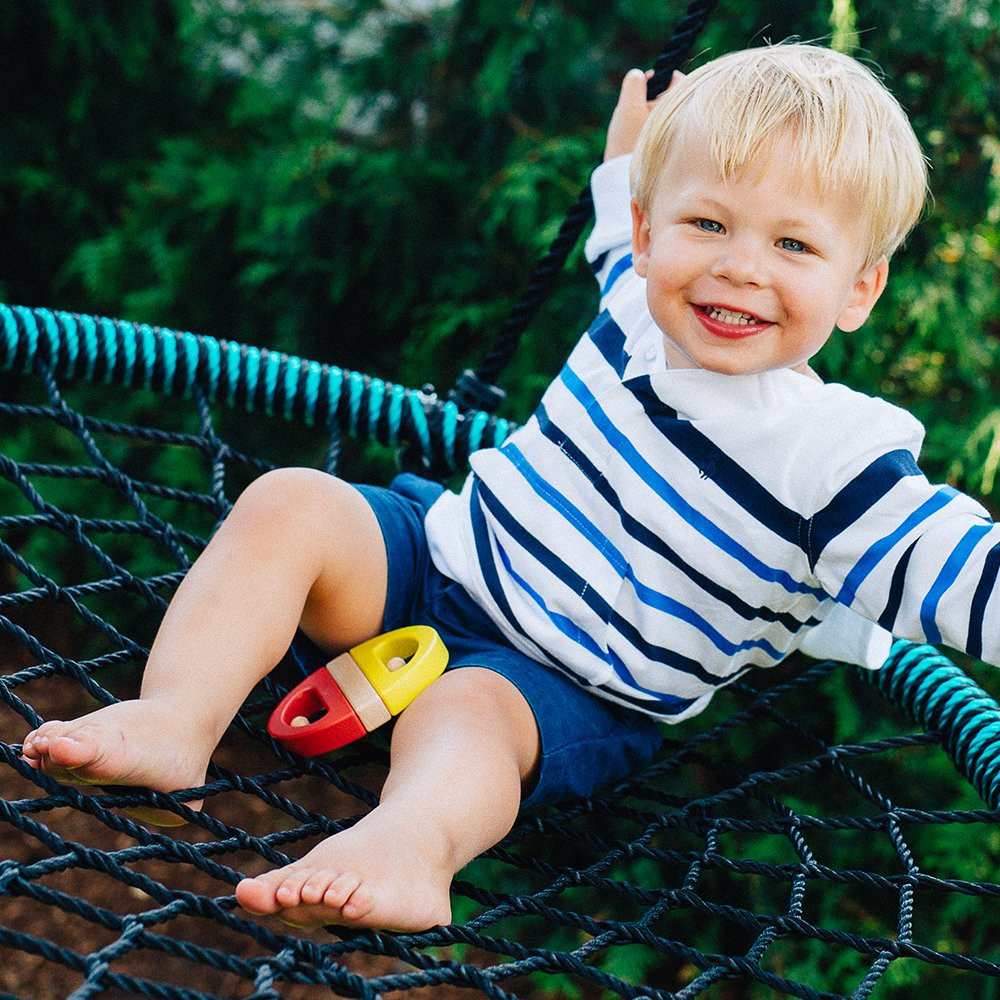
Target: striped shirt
(656, 533)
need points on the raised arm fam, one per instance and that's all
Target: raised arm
(611, 239)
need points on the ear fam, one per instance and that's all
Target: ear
(863, 296)
(640, 240)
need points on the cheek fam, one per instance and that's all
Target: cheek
(661, 277)
(658, 290)
(665, 306)
(813, 301)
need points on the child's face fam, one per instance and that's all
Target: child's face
(752, 274)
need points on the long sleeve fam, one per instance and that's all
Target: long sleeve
(609, 246)
(921, 560)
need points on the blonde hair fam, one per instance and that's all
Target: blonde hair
(840, 119)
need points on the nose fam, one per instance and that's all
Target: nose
(738, 263)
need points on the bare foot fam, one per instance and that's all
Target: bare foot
(129, 743)
(371, 875)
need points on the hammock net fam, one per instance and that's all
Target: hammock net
(803, 837)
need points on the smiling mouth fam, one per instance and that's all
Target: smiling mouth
(730, 323)
(731, 317)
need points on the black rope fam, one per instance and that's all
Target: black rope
(477, 389)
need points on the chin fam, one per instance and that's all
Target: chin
(732, 368)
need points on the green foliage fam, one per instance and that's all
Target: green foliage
(368, 182)
(86, 102)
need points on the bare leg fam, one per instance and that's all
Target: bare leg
(287, 554)
(460, 755)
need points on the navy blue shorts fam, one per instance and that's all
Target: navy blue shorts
(586, 741)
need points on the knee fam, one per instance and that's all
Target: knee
(290, 497)
(469, 691)
(488, 706)
(279, 491)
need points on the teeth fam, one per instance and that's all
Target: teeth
(728, 316)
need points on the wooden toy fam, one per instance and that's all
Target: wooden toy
(358, 691)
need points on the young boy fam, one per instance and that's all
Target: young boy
(689, 501)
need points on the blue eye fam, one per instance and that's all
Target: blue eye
(710, 225)
(793, 246)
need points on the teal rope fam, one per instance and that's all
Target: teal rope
(135, 355)
(397, 395)
(420, 425)
(941, 697)
(376, 398)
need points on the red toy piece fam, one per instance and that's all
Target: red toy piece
(318, 697)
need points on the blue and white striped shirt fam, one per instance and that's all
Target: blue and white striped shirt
(656, 533)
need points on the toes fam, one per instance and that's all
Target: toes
(289, 892)
(316, 887)
(257, 895)
(48, 731)
(70, 752)
(359, 905)
(33, 750)
(61, 744)
(350, 880)
(303, 891)
(36, 743)
(340, 890)
(313, 890)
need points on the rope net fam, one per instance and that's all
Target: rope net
(798, 839)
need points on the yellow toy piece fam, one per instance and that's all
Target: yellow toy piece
(423, 657)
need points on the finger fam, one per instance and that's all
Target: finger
(633, 84)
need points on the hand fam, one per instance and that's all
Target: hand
(630, 113)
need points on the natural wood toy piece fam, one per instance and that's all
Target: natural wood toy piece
(358, 691)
